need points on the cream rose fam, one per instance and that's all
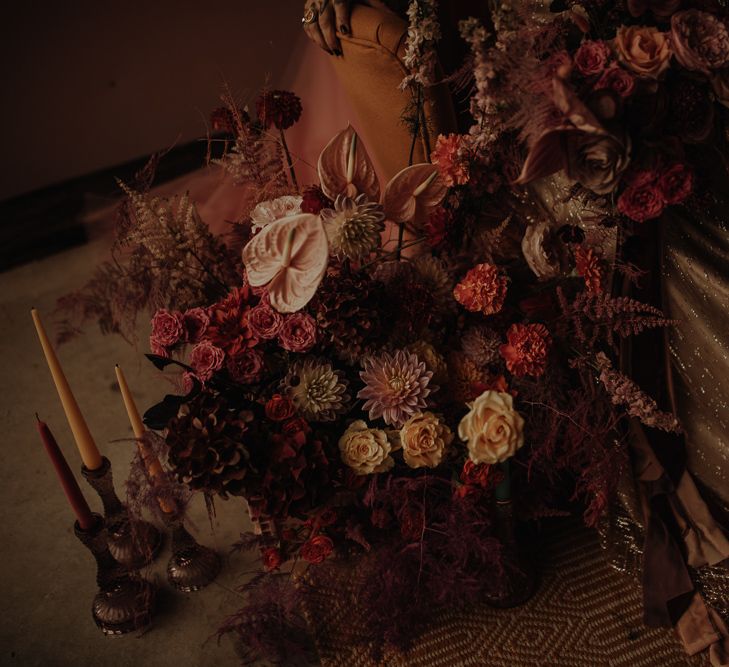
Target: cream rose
(596, 160)
(424, 439)
(365, 450)
(644, 50)
(492, 428)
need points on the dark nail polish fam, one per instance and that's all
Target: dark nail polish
(344, 29)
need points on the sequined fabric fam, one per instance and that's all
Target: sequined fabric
(696, 291)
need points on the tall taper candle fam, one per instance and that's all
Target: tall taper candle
(84, 441)
(154, 467)
(68, 481)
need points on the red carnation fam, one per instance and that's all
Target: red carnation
(482, 290)
(436, 226)
(272, 559)
(587, 263)
(641, 202)
(476, 474)
(592, 57)
(313, 200)
(279, 108)
(526, 349)
(279, 408)
(676, 183)
(317, 549)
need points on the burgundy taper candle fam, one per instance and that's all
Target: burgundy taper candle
(68, 481)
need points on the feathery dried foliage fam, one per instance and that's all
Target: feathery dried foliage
(271, 625)
(603, 317)
(163, 257)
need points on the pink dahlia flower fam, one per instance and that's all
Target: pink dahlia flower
(396, 386)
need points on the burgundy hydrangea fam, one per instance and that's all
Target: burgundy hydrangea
(195, 322)
(298, 333)
(167, 329)
(206, 358)
(279, 108)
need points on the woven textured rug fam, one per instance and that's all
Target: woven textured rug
(584, 614)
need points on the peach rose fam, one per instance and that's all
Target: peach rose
(493, 430)
(424, 438)
(365, 450)
(644, 50)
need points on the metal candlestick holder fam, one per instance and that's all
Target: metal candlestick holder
(192, 566)
(133, 543)
(124, 603)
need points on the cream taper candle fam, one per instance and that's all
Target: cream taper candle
(84, 441)
(154, 467)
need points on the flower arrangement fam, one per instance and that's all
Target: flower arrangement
(366, 365)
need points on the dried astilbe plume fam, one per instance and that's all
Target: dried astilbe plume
(623, 391)
(164, 256)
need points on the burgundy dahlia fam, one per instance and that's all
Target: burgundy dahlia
(279, 108)
(313, 200)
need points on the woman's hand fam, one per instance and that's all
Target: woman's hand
(322, 19)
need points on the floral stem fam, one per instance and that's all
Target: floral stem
(409, 244)
(503, 490)
(289, 161)
(416, 129)
(400, 239)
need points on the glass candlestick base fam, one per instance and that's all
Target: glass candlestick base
(192, 566)
(133, 543)
(124, 603)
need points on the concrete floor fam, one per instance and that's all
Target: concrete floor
(47, 576)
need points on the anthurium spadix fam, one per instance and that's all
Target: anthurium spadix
(290, 256)
(346, 169)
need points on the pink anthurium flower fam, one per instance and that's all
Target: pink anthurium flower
(290, 257)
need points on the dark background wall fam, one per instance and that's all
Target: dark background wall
(91, 84)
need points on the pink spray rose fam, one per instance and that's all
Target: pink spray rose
(167, 329)
(618, 80)
(195, 322)
(264, 321)
(206, 358)
(592, 57)
(298, 333)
